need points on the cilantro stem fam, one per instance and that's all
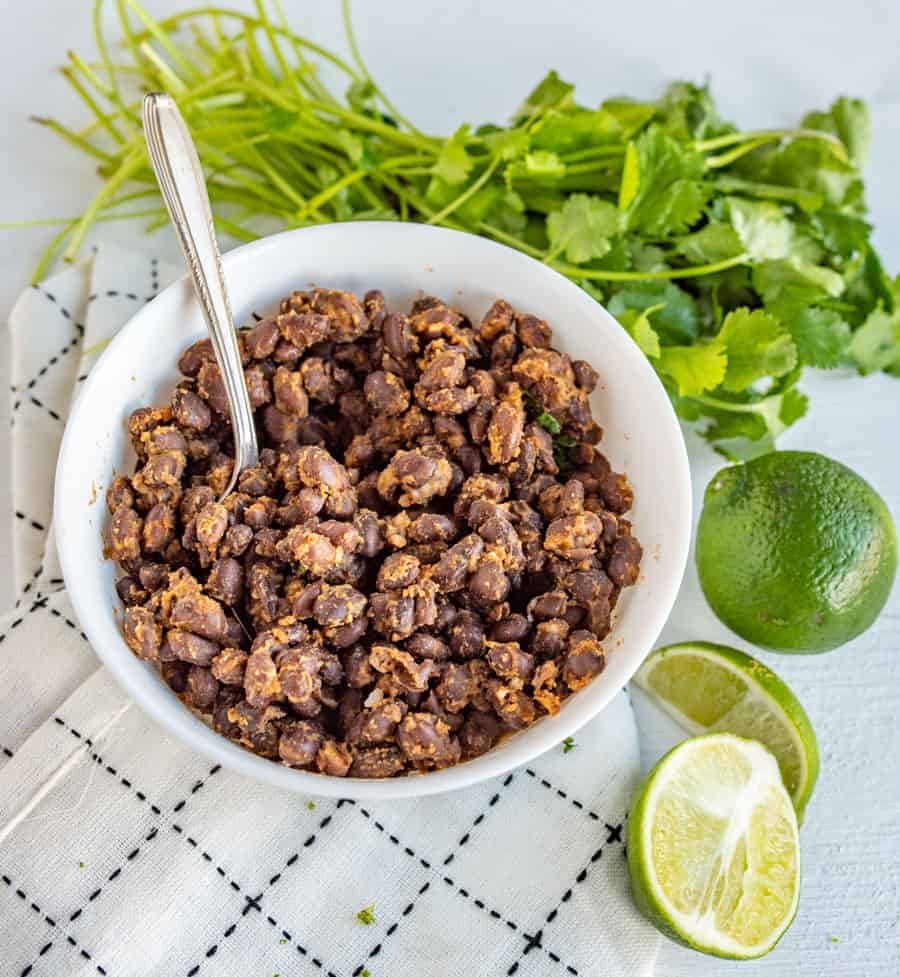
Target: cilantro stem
(309, 79)
(769, 408)
(593, 152)
(806, 199)
(91, 103)
(72, 137)
(167, 23)
(89, 74)
(772, 135)
(467, 194)
(509, 239)
(373, 125)
(361, 65)
(322, 198)
(283, 185)
(168, 79)
(50, 253)
(130, 38)
(286, 72)
(125, 172)
(591, 166)
(695, 271)
(726, 159)
(156, 31)
(72, 221)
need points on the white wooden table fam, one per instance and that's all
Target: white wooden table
(470, 61)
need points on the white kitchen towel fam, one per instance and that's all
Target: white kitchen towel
(124, 854)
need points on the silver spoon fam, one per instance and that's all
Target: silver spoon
(173, 156)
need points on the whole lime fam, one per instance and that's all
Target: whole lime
(795, 551)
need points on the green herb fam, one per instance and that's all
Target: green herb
(81, 864)
(549, 423)
(834, 939)
(367, 915)
(568, 744)
(733, 259)
(562, 446)
(310, 805)
(283, 940)
(365, 972)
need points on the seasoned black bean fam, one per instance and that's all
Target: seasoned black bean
(405, 576)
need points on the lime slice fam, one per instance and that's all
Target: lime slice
(709, 688)
(713, 847)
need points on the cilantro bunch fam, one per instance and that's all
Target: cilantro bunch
(733, 259)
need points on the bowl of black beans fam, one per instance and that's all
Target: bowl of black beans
(466, 528)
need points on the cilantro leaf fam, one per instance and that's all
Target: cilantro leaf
(762, 228)
(551, 92)
(637, 325)
(454, 162)
(575, 128)
(794, 404)
(562, 446)
(490, 199)
(508, 144)
(646, 257)
(359, 150)
(568, 744)
(677, 208)
(790, 285)
(582, 228)
(713, 242)
(843, 234)
(687, 111)
(694, 369)
(630, 116)
(506, 208)
(876, 344)
(548, 422)
(366, 915)
(744, 426)
(757, 346)
(544, 165)
(661, 192)
(737, 435)
(868, 286)
(821, 337)
(675, 319)
(812, 164)
(848, 119)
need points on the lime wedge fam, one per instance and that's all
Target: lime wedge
(709, 688)
(713, 847)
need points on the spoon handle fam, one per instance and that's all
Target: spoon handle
(180, 177)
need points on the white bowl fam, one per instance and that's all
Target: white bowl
(642, 438)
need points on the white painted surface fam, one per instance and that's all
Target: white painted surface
(468, 61)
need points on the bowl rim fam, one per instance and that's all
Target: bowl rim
(132, 674)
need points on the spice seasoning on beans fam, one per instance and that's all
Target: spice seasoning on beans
(426, 558)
